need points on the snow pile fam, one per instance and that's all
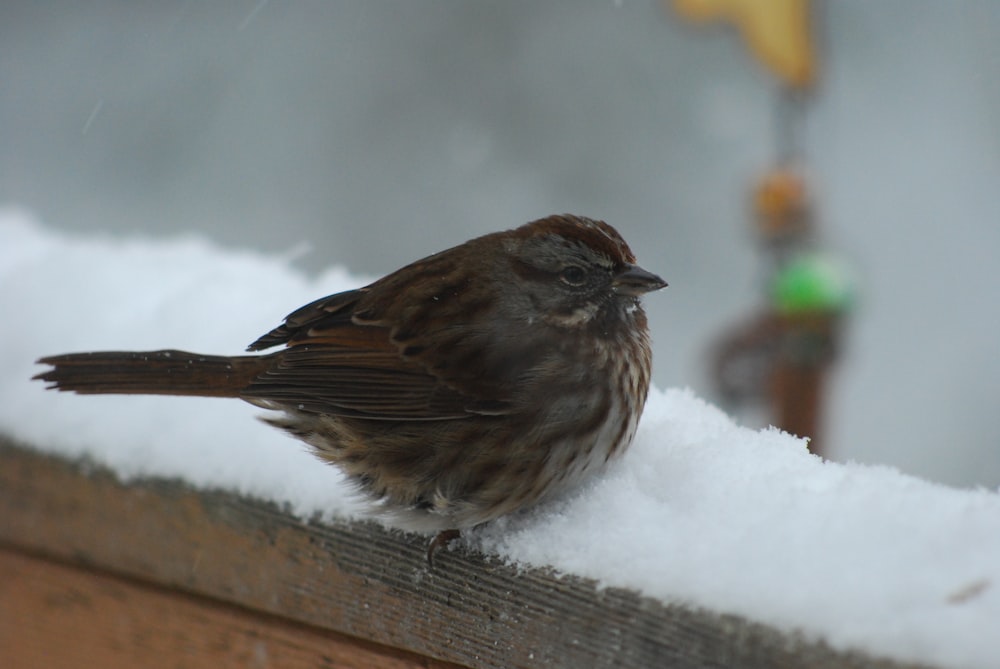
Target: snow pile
(700, 510)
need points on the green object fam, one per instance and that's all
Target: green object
(812, 283)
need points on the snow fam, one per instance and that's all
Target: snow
(700, 511)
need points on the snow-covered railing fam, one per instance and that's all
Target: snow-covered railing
(155, 573)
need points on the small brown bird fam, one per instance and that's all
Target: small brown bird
(465, 386)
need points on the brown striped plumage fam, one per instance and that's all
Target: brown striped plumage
(465, 386)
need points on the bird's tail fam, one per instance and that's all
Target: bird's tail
(152, 373)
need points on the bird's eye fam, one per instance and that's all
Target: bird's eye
(573, 275)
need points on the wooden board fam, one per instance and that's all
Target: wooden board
(361, 581)
(53, 616)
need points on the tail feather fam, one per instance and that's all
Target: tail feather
(152, 373)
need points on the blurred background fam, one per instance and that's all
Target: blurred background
(373, 133)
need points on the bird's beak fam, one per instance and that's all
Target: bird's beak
(634, 280)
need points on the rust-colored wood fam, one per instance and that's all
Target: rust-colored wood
(53, 616)
(361, 581)
(797, 396)
(806, 355)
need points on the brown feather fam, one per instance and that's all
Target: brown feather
(152, 373)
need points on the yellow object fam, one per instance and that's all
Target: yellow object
(776, 31)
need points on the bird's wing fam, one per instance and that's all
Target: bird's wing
(333, 309)
(336, 364)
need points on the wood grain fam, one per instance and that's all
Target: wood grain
(54, 616)
(359, 580)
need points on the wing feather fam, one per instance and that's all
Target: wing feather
(418, 344)
(337, 366)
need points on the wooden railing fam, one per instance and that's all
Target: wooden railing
(154, 573)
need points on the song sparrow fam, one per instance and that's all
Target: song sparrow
(467, 385)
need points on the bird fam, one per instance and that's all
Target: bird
(468, 385)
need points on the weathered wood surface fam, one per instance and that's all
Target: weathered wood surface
(358, 580)
(53, 615)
